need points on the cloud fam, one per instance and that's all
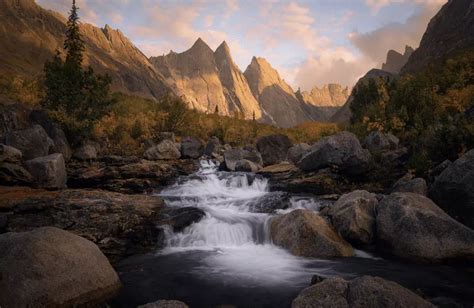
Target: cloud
(375, 44)
(376, 5)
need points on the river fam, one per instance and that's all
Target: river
(227, 258)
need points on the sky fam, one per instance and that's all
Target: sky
(310, 42)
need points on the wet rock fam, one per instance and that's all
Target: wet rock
(317, 279)
(85, 152)
(48, 171)
(342, 150)
(213, 146)
(231, 157)
(270, 202)
(166, 149)
(353, 216)
(305, 233)
(411, 226)
(121, 225)
(12, 174)
(180, 218)
(192, 147)
(244, 165)
(297, 151)
(165, 304)
(50, 267)
(453, 189)
(10, 154)
(32, 142)
(273, 148)
(416, 185)
(377, 141)
(361, 292)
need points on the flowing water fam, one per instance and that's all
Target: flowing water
(227, 258)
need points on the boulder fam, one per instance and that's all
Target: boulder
(32, 142)
(297, 151)
(273, 148)
(361, 292)
(181, 217)
(245, 165)
(165, 304)
(12, 174)
(305, 233)
(353, 216)
(377, 141)
(9, 154)
(192, 147)
(166, 149)
(231, 157)
(212, 147)
(48, 171)
(49, 267)
(85, 152)
(416, 185)
(342, 150)
(453, 189)
(412, 227)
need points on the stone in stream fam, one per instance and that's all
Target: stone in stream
(273, 148)
(192, 147)
(232, 156)
(49, 267)
(297, 151)
(181, 217)
(410, 226)
(353, 216)
(245, 165)
(453, 189)
(361, 292)
(305, 233)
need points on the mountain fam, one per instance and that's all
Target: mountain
(451, 30)
(326, 100)
(344, 114)
(207, 79)
(395, 60)
(277, 99)
(30, 35)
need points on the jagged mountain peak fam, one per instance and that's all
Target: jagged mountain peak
(223, 52)
(200, 45)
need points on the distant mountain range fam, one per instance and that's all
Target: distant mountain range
(207, 80)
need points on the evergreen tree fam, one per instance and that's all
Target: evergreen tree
(75, 97)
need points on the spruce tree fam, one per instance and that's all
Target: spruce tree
(75, 97)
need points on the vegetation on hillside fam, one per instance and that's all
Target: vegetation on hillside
(431, 112)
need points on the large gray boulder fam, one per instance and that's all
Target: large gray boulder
(353, 216)
(342, 150)
(361, 292)
(453, 189)
(412, 227)
(245, 165)
(305, 233)
(377, 141)
(232, 156)
(9, 154)
(48, 171)
(32, 142)
(49, 267)
(273, 148)
(297, 151)
(212, 147)
(166, 150)
(192, 147)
